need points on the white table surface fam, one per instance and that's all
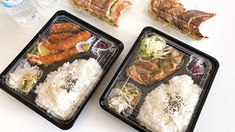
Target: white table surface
(218, 113)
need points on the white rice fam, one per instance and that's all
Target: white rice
(52, 96)
(156, 116)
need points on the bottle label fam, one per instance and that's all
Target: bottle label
(9, 4)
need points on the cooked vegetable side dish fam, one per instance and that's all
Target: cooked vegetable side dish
(24, 77)
(108, 10)
(63, 42)
(66, 88)
(124, 98)
(175, 14)
(170, 106)
(156, 60)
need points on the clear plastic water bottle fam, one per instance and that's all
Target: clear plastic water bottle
(44, 3)
(24, 12)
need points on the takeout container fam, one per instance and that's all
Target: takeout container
(105, 58)
(204, 81)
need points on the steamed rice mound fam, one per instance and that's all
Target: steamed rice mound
(65, 89)
(169, 107)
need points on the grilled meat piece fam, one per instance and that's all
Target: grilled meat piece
(117, 9)
(108, 10)
(167, 10)
(102, 6)
(174, 13)
(190, 21)
(150, 71)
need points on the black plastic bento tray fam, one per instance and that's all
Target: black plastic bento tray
(111, 59)
(177, 45)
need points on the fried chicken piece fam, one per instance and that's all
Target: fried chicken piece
(69, 42)
(56, 38)
(64, 27)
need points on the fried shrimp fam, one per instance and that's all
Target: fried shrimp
(52, 58)
(57, 57)
(69, 42)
